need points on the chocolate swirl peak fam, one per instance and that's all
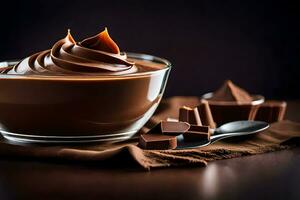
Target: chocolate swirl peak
(95, 55)
(101, 42)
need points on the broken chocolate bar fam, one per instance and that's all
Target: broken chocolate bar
(205, 114)
(190, 115)
(224, 113)
(157, 141)
(197, 133)
(170, 128)
(231, 103)
(271, 111)
(163, 135)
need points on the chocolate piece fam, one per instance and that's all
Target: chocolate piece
(163, 135)
(224, 113)
(271, 111)
(197, 133)
(157, 141)
(231, 92)
(190, 115)
(170, 128)
(205, 114)
(231, 103)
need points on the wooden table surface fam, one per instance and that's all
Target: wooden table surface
(267, 176)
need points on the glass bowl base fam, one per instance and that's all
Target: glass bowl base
(106, 138)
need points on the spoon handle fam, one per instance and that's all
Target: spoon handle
(221, 136)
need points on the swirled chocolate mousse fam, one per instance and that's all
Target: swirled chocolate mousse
(231, 103)
(81, 89)
(95, 55)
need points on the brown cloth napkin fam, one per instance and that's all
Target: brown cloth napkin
(280, 135)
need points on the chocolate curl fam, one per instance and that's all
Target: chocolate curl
(205, 114)
(189, 115)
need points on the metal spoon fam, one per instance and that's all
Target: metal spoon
(231, 129)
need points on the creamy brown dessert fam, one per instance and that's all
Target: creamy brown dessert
(86, 89)
(231, 103)
(97, 55)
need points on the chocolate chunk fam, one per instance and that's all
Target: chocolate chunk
(231, 92)
(157, 141)
(197, 133)
(190, 115)
(205, 114)
(224, 113)
(170, 128)
(198, 128)
(231, 103)
(271, 111)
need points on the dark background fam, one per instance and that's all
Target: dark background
(254, 43)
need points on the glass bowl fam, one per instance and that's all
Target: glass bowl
(68, 109)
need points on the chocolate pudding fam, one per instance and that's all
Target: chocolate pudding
(80, 91)
(232, 103)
